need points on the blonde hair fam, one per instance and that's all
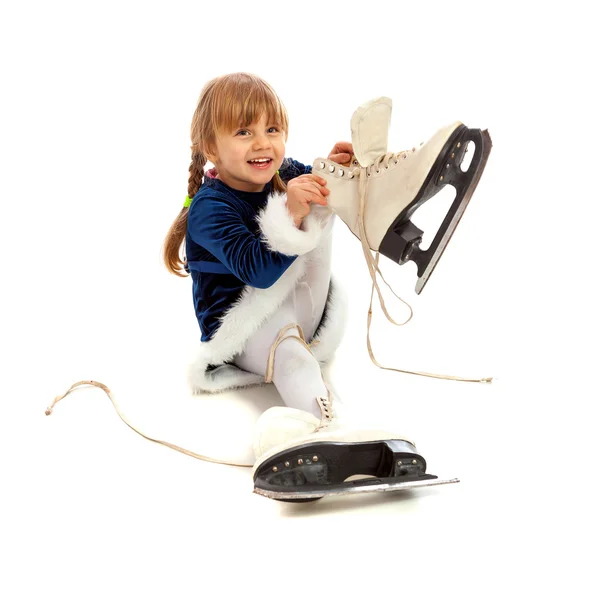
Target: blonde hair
(225, 102)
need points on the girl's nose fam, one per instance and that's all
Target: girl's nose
(261, 141)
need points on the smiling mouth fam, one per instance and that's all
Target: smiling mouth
(263, 164)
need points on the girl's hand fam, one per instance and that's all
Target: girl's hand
(302, 192)
(341, 154)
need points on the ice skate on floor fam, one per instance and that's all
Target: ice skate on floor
(317, 458)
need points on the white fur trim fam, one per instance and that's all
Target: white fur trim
(281, 234)
(238, 324)
(244, 318)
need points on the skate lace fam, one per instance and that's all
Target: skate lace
(385, 159)
(107, 391)
(373, 262)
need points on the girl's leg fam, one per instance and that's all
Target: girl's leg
(313, 288)
(297, 373)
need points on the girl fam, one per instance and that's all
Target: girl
(257, 234)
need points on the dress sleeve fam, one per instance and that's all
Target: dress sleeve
(219, 228)
(291, 168)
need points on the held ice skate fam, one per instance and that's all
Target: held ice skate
(378, 193)
(301, 459)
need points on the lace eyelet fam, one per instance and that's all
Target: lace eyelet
(331, 168)
(341, 172)
(396, 162)
(322, 165)
(377, 170)
(387, 167)
(350, 175)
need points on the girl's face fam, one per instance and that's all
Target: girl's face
(235, 151)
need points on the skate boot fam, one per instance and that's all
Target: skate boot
(376, 196)
(379, 192)
(300, 458)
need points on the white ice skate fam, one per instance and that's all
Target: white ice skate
(300, 458)
(378, 193)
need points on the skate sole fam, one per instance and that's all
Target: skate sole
(401, 242)
(311, 471)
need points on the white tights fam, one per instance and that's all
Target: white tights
(297, 373)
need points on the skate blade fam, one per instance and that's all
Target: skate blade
(361, 486)
(428, 261)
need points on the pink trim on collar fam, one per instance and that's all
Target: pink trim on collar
(212, 173)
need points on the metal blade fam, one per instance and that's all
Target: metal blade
(359, 487)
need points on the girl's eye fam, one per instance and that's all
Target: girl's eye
(245, 130)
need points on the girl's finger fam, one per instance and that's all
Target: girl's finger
(319, 179)
(313, 185)
(318, 199)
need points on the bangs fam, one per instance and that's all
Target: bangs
(245, 102)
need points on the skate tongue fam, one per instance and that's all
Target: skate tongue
(370, 124)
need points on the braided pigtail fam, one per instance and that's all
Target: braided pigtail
(172, 256)
(196, 173)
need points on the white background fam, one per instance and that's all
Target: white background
(96, 106)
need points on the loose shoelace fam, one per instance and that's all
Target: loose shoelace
(373, 264)
(123, 418)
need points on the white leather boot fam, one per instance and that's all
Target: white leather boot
(301, 458)
(379, 192)
(377, 196)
